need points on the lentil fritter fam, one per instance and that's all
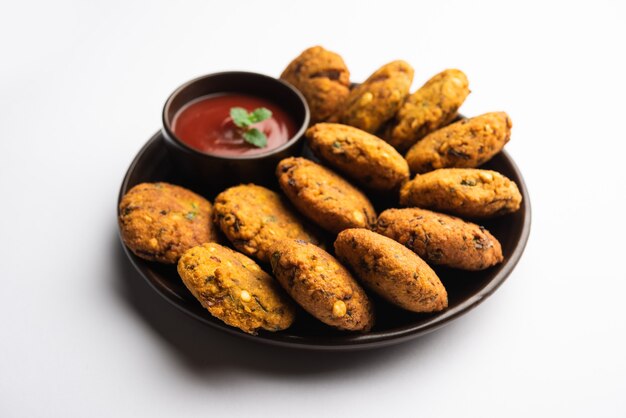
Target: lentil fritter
(441, 239)
(372, 103)
(321, 285)
(434, 105)
(160, 221)
(359, 155)
(464, 144)
(323, 196)
(391, 270)
(234, 289)
(323, 79)
(253, 218)
(467, 192)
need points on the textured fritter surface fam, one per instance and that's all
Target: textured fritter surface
(323, 196)
(469, 192)
(441, 239)
(234, 289)
(160, 221)
(464, 144)
(377, 100)
(359, 155)
(391, 270)
(253, 218)
(434, 105)
(323, 79)
(321, 285)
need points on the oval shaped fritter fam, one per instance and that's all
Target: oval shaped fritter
(391, 270)
(160, 221)
(322, 286)
(253, 218)
(441, 239)
(377, 100)
(469, 192)
(323, 196)
(434, 105)
(464, 144)
(359, 155)
(323, 79)
(234, 289)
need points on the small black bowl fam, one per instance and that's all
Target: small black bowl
(213, 173)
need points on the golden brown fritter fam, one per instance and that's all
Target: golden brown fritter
(160, 221)
(323, 196)
(359, 155)
(323, 79)
(441, 239)
(467, 192)
(234, 289)
(374, 102)
(434, 105)
(391, 270)
(464, 144)
(253, 218)
(322, 286)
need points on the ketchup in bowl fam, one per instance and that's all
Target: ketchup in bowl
(205, 125)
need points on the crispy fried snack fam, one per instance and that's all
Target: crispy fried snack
(322, 286)
(323, 79)
(434, 105)
(377, 100)
(359, 155)
(441, 239)
(160, 221)
(323, 196)
(464, 144)
(391, 270)
(234, 289)
(469, 192)
(253, 218)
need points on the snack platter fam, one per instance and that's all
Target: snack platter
(279, 248)
(465, 289)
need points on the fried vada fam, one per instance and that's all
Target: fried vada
(323, 196)
(321, 285)
(234, 289)
(359, 155)
(160, 221)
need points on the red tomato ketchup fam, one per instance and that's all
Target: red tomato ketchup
(205, 125)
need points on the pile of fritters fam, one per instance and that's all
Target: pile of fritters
(368, 139)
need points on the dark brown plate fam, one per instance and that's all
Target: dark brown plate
(465, 289)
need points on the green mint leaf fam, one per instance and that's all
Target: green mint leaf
(255, 137)
(240, 117)
(260, 114)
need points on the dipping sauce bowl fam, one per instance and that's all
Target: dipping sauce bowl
(220, 158)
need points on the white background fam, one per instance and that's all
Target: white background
(81, 334)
